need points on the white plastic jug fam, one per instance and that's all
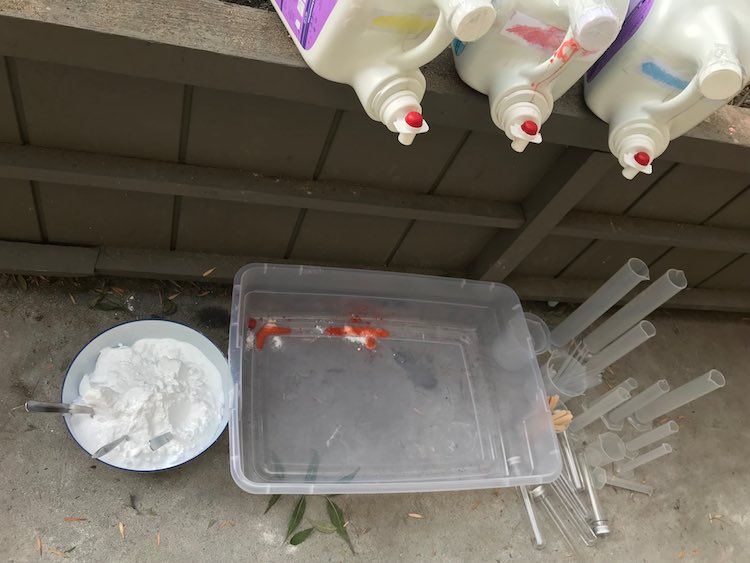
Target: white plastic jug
(377, 46)
(534, 53)
(674, 63)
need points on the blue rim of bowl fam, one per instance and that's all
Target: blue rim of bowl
(67, 425)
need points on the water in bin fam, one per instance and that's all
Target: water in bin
(535, 52)
(674, 63)
(378, 46)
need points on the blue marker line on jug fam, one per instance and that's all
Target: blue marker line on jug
(458, 47)
(657, 72)
(637, 14)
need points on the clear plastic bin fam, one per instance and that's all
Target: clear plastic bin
(375, 382)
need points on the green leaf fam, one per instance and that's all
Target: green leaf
(211, 523)
(337, 519)
(299, 537)
(312, 469)
(297, 514)
(350, 476)
(322, 527)
(273, 500)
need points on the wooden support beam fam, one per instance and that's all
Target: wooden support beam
(46, 259)
(57, 260)
(563, 186)
(649, 231)
(122, 173)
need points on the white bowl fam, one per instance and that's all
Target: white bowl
(127, 334)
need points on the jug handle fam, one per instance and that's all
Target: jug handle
(679, 104)
(434, 44)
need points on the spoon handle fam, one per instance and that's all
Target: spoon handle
(57, 408)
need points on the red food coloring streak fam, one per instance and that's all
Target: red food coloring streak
(642, 158)
(251, 323)
(269, 330)
(371, 334)
(547, 38)
(356, 319)
(567, 50)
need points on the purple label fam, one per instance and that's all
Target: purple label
(306, 18)
(636, 16)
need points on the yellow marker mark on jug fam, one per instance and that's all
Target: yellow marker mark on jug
(405, 23)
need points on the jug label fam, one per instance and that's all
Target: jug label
(306, 18)
(637, 13)
(530, 31)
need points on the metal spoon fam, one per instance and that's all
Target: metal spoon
(106, 448)
(57, 408)
(158, 441)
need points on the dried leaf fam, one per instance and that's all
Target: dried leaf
(121, 527)
(297, 514)
(475, 505)
(226, 524)
(158, 539)
(299, 537)
(104, 303)
(173, 296)
(72, 299)
(38, 542)
(209, 272)
(337, 519)
(312, 468)
(416, 515)
(273, 500)
(21, 281)
(169, 308)
(211, 523)
(497, 492)
(118, 290)
(203, 293)
(57, 552)
(322, 527)
(70, 519)
(350, 476)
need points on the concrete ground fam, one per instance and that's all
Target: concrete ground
(699, 511)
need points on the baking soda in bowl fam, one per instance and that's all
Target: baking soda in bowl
(155, 386)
